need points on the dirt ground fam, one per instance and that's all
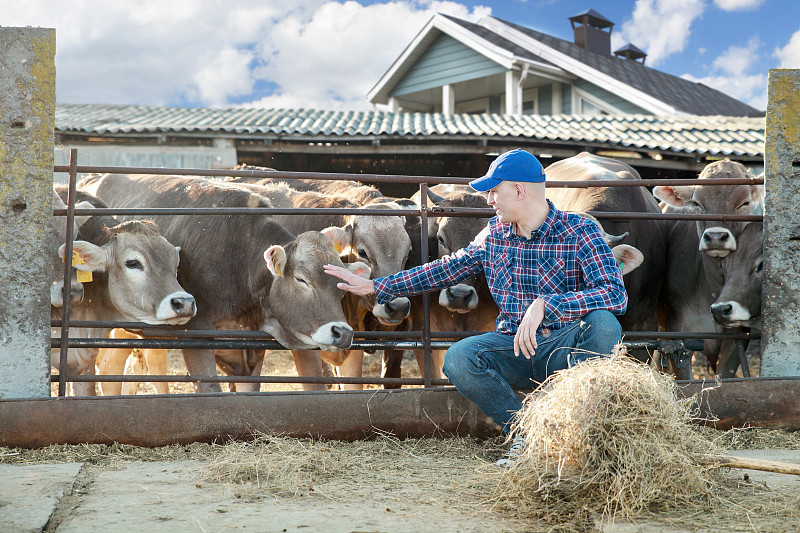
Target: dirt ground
(379, 485)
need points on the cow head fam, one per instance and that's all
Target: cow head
(716, 239)
(739, 302)
(57, 237)
(454, 233)
(381, 243)
(141, 267)
(305, 303)
(628, 257)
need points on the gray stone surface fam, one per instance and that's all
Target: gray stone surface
(27, 119)
(781, 294)
(29, 494)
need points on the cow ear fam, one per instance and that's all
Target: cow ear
(757, 198)
(674, 195)
(360, 269)
(82, 219)
(86, 256)
(341, 238)
(275, 256)
(628, 257)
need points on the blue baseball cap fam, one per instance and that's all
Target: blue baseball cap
(515, 165)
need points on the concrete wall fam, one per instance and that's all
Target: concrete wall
(221, 155)
(781, 295)
(27, 111)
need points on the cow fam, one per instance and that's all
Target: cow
(133, 279)
(246, 271)
(644, 284)
(715, 238)
(695, 275)
(739, 300)
(381, 242)
(57, 237)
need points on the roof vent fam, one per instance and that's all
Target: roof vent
(590, 34)
(629, 51)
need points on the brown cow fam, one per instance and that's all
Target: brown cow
(643, 284)
(695, 276)
(246, 271)
(57, 237)
(133, 279)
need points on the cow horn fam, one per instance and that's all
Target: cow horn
(613, 240)
(435, 198)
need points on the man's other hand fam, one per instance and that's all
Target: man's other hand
(525, 339)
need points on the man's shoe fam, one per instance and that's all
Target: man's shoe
(513, 452)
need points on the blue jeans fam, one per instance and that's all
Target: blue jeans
(485, 371)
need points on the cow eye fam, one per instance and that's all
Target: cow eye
(441, 240)
(745, 204)
(760, 266)
(362, 253)
(134, 264)
(301, 280)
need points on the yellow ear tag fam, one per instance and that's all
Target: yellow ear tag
(338, 247)
(83, 276)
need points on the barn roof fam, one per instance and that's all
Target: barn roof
(706, 135)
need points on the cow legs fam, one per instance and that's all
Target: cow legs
(200, 362)
(391, 366)
(352, 367)
(134, 366)
(437, 361)
(728, 361)
(156, 364)
(254, 362)
(112, 361)
(309, 364)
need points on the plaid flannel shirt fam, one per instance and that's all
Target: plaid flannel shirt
(566, 262)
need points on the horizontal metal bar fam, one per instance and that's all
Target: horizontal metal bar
(464, 212)
(326, 380)
(237, 344)
(386, 178)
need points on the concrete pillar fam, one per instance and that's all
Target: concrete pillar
(27, 121)
(448, 99)
(781, 292)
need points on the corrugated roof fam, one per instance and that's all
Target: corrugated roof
(711, 135)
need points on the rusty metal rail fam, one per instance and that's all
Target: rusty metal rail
(417, 340)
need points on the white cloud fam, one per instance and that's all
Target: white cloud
(313, 53)
(661, 27)
(731, 74)
(737, 5)
(789, 55)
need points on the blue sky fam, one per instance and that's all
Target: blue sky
(328, 54)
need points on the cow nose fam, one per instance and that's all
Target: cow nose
(715, 236)
(183, 305)
(75, 293)
(342, 335)
(721, 311)
(398, 307)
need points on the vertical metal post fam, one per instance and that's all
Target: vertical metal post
(62, 363)
(427, 365)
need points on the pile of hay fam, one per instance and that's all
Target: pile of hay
(607, 438)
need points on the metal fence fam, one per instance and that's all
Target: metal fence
(424, 339)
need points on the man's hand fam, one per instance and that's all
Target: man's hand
(353, 282)
(525, 339)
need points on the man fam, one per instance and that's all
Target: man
(552, 275)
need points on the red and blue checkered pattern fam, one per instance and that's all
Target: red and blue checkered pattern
(566, 262)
